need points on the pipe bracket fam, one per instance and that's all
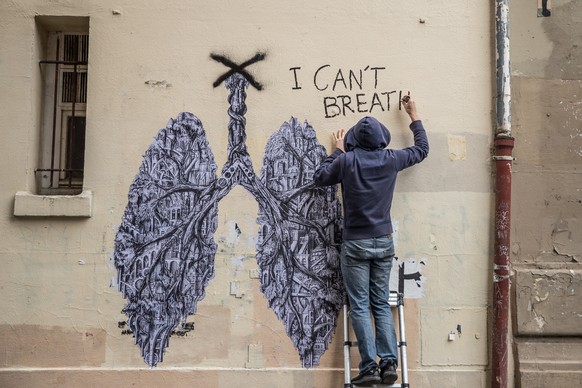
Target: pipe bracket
(504, 157)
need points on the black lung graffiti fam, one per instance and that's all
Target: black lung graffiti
(164, 249)
(299, 265)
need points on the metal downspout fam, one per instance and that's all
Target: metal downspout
(503, 161)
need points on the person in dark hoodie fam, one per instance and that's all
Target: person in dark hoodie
(367, 172)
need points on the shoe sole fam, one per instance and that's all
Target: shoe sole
(389, 380)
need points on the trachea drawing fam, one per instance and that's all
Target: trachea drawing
(165, 249)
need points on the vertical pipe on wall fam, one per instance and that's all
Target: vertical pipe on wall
(503, 68)
(503, 162)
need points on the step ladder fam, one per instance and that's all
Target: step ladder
(395, 300)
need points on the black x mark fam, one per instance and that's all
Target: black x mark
(234, 68)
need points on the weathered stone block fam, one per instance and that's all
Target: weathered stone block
(28, 204)
(548, 302)
(550, 363)
(454, 336)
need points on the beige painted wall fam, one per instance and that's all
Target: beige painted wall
(148, 62)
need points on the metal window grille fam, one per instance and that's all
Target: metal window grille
(64, 122)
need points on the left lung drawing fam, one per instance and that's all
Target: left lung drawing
(164, 249)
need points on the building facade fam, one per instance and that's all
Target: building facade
(235, 270)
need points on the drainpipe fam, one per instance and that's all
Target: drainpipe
(503, 161)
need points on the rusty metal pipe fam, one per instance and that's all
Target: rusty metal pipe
(503, 164)
(501, 261)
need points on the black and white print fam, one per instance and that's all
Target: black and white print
(299, 264)
(164, 249)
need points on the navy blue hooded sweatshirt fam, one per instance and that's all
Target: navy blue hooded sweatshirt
(367, 172)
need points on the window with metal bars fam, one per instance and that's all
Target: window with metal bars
(63, 129)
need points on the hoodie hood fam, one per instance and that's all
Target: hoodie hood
(368, 134)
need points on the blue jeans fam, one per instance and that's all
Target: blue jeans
(366, 266)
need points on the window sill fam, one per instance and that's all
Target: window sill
(31, 205)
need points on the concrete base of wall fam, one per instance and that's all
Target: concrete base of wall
(539, 379)
(215, 378)
(549, 362)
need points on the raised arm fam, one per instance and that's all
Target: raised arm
(419, 151)
(330, 171)
(410, 108)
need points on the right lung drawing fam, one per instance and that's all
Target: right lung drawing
(297, 257)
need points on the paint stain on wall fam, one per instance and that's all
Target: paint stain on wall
(158, 84)
(564, 30)
(565, 241)
(457, 147)
(38, 346)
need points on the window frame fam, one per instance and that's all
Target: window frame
(55, 175)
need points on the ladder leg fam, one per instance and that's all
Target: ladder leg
(347, 345)
(403, 355)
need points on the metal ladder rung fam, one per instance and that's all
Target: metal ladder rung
(381, 386)
(393, 300)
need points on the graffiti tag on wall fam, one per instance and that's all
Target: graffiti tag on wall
(347, 91)
(406, 277)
